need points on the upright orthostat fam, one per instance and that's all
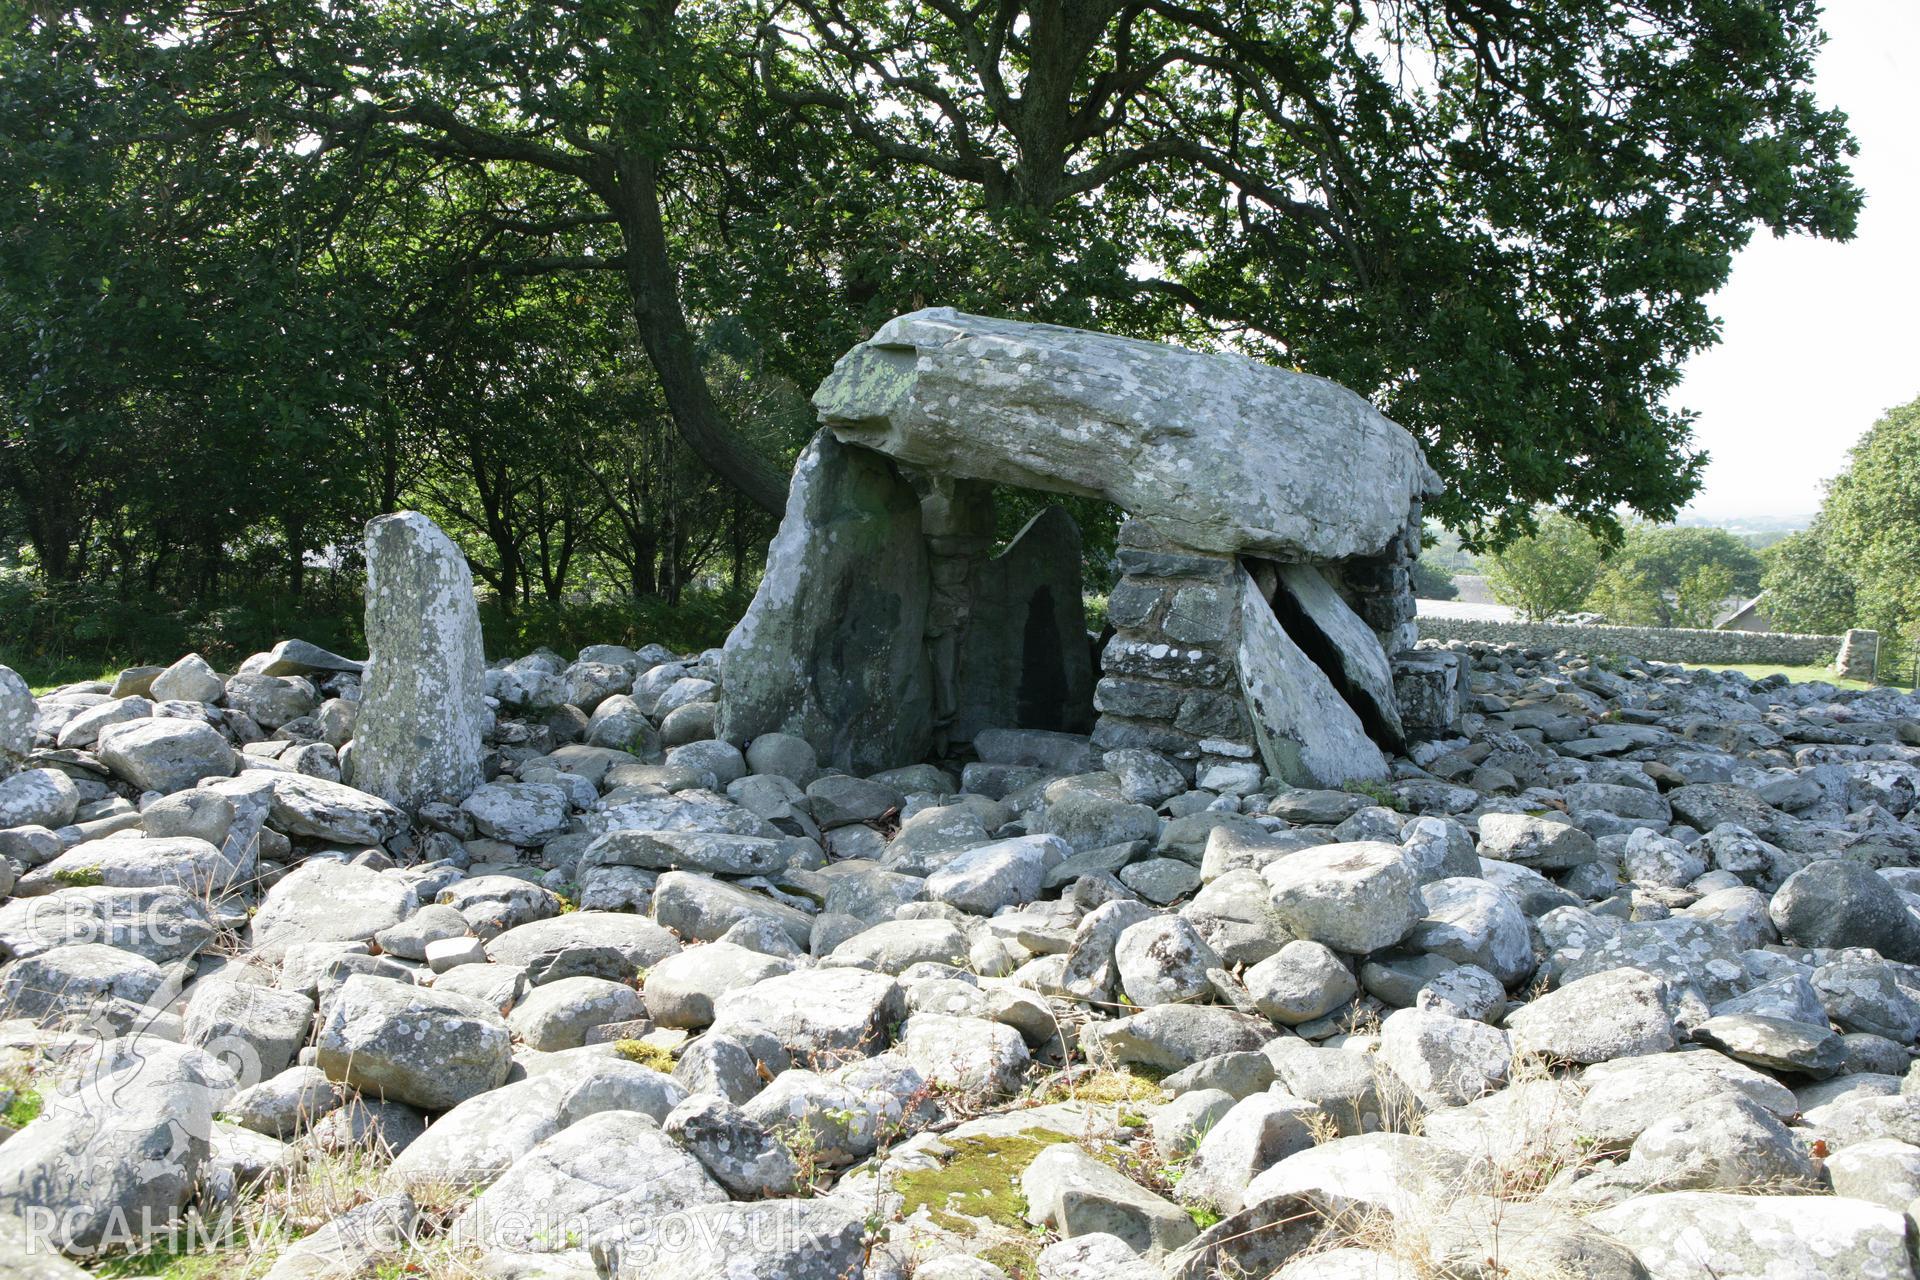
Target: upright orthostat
(418, 734)
(1272, 522)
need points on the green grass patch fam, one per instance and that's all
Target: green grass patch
(164, 1264)
(77, 877)
(1021, 1261)
(1799, 675)
(1378, 792)
(1104, 1086)
(43, 676)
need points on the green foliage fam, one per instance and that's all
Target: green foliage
(1674, 576)
(1701, 596)
(647, 1055)
(23, 1110)
(1859, 565)
(1378, 792)
(1546, 572)
(53, 632)
(1808, 588)
(1872, 516)
(1626, 597)
(1669, 554)
(1431, 582)
(1089, 1085)
(561, 275)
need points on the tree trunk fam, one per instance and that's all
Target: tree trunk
(670, 346)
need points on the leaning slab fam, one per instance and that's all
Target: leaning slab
(1344, 647)
(1221, 453)
(418, 735)
(1306, 732)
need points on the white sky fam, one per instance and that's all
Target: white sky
(1819, 338)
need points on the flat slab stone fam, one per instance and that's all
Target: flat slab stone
(1222, 453)
(1701, 1235)
(1345, 647)
(1307, 734)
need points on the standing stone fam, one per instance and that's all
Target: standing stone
(832, 649)
(417, 737)
(16, 719)
(1025, 662)
(1308, 735)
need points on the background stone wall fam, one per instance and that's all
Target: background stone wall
(1659, 644)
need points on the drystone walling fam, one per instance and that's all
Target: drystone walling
(1264, 609)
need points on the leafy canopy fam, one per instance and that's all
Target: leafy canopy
(1548, 572)
(1859, 565)
(563, 270)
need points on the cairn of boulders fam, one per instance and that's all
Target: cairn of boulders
(1609, 969)
(1620, 977)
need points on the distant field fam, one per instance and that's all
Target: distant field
(1799, 675)
(45, 675)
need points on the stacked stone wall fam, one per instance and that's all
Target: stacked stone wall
(1170, 673)
(1659, 644)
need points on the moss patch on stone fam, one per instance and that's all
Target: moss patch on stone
(23, 1110)
(1105, 1086)
(647, 1055)
(1133, 1085)
(77, 877)
(979, 1178)
(1021, 1261)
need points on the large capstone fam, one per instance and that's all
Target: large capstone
(417, 737)
(1221, 453)
(832, 649)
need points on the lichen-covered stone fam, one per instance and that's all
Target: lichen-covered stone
(417, 736)
(1223, 453)
(1307, 733)
(832, 649)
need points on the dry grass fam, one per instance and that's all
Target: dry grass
(1478, 1226)
(243, 1239)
